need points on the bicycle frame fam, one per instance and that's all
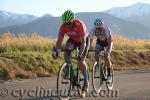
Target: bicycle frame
(74, 79)
(101, 62)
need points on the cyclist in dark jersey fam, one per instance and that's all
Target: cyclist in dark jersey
(77, 32)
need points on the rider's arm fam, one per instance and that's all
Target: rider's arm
(83, 35)
(83, 44)
(60, 38)
(109, 39)
(59, 41)
(110, 44)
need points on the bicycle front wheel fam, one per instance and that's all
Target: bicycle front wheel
(97, 79)
(63, 85)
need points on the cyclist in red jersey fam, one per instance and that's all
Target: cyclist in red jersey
(78, 37)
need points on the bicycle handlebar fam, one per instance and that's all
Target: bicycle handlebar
(62, 50)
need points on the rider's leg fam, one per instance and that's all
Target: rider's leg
(102, 45)
(68, 45)
(82, 63)
(99, 46)
(97, 53)
(84, 68)
(108, 63)
(109, 67)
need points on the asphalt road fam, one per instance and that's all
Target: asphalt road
(128, 85)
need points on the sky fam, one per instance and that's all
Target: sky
(57, 7)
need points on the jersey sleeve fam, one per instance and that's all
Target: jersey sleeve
(82, 29)
(108, 31)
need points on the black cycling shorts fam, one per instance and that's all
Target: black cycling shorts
(101, 44)
(78, 44)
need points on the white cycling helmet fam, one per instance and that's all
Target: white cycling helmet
(98, 22)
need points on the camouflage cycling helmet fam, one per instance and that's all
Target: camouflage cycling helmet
(68, 16)
(98, 22)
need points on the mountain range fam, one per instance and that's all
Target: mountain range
(119, 19)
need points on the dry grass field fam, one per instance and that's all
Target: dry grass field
(30, 56)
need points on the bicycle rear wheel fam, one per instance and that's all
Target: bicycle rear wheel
(63, 85)
(97, 79)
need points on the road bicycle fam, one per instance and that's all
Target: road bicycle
(75, 79)
(99, 72)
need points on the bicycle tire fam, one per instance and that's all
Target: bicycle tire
(59, 90)
(97, 89)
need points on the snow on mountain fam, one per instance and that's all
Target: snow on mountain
(138, 9)
(8, 19)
